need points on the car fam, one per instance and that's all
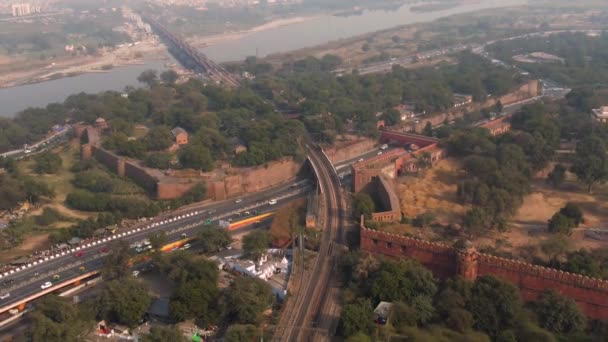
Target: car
(384, 147)
(104, 249)
(186, 246)
(135, 273)
(360, 160)
(184, 235)
(79, 254)
(238, 200)
(272, 201)
(5, 295)
(46, 285)
(379, 153)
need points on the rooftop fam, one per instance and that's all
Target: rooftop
(178, 130)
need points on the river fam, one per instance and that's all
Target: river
(281, 39)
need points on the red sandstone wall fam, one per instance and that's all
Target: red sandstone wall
(350, 150)
(141, 177)
(405, 138)
(109, 159)
(437, 257)
(590, 294)
(173, 190)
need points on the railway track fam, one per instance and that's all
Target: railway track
(297, 323)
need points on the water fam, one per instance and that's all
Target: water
(281, 39)
(329, 28)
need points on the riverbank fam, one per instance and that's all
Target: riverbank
(204, 41)
(14, 72)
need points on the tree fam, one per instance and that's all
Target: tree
(555, 245)
(212, 239)
(123, 301)
(364, 205)
(245, 299)
(475, 221)
(568, 217)
(559, 314)
(158, 138)
(591, 161)
(169, 77)
(47, 162)
(428, 129)
(148, 77)
(35, 189)
(392, 117)
(423, 161)
(242, 333)
(116, 264)
(158, 160)
(256, 243)
(401, 281)
(162, 334)
(56, 319)
(158, 240)
(196, 157)
(494, 305)
(356, 318)
(359, 337)
(557, 176)
(498, 107)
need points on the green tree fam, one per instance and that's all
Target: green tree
(428, 129)
(359, 337)
(245, 300)
(158, 160)
(158, 138)
(494, 305)
(116, 264)
(162, 334)
(557, 176)
(148, 77)
(560, 224)
(401, 281)
(212, 239)
(591, 161)
(256, 243)
(123, 301)
(196, 157)
(475, 221)
(555, 245)
(356, 318)
(559, 314)
(364, 205)
(242, 333)
(391, 117)
(56, 319)
(169, 77)
(47, 162)
(35, 189)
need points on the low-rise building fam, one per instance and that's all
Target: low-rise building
(181, 136)
(601, 114)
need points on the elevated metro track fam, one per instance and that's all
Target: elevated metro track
(190, 57)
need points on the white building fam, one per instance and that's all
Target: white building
(601, 114)
(20, 10)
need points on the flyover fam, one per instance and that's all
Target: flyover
(24, 284)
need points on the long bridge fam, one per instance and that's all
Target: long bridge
(190, 57)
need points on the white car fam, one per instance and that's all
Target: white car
(379, 153)
(5, 295)
(46, 285)
(360, 160)
(135, 273)
(186, 246)
(238, 200)
(272, 201)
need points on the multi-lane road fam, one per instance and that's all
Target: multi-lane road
(25, 283)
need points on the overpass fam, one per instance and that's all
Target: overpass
(311, 301)
(24, 283)
(190, 57)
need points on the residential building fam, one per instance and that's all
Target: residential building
(461, 100)
(21, 10)
(181, 136)
(601, 114)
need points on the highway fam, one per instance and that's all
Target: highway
(26, 282)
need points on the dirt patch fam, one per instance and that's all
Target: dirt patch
(435, 191)
(37, 242)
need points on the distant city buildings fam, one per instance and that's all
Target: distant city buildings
(24, 9)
